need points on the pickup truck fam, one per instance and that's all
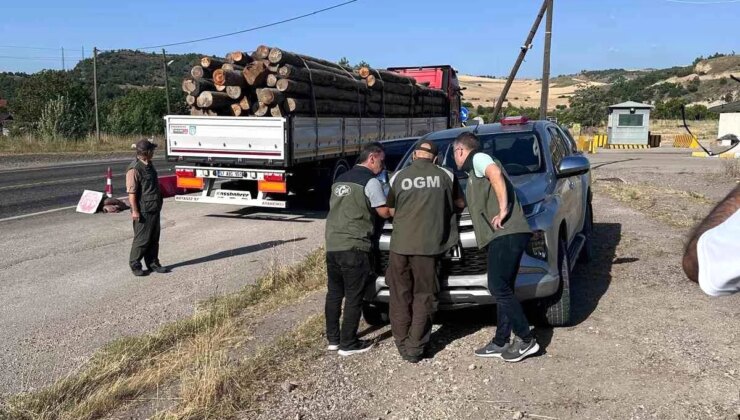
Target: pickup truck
(552, 180)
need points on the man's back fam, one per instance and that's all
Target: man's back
(424, 222)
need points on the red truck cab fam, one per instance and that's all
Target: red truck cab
(441, 77)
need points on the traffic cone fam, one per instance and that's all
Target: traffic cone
(109, 183)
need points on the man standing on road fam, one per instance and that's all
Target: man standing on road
(711, 256)
(356, 199)
(142, 187)
(424, 199)
(500, 225)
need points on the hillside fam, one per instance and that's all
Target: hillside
(706, 83)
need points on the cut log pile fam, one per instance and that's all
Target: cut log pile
(275, 82)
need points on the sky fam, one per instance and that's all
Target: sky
(475, 36)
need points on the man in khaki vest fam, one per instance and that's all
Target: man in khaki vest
(424, 199)
(142, 186)
(500, 225)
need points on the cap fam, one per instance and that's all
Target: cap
(427, 146)
(145, 145)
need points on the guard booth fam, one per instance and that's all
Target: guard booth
(628, 125)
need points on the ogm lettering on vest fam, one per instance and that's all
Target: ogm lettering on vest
(421, 182)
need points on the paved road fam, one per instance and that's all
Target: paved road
(31, 190)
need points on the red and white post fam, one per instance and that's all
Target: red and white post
(109, 183)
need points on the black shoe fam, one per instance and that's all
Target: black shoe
(518, 350)
(412, 359)
(138, 272)
(157, 268)
(359, 347)
(492, 350)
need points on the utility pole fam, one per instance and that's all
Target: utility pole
(166, 81)
(527, 45)
(95, 92)
(63, 66)
(546, 62)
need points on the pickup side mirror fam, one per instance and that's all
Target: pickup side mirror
(572, 166)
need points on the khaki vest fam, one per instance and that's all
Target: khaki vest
(483, 206)
(425, 222)
(351, 220)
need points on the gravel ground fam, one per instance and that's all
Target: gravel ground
(647, 343)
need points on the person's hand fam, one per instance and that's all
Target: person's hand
(135, 216)
(498, 220)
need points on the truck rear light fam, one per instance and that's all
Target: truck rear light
(272, 186)
(514, 120)
(191, 183)
(274, 177)
(185, 173)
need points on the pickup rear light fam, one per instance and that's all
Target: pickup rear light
(185, 173)
(274, 177)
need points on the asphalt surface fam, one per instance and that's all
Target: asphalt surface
(30, 190)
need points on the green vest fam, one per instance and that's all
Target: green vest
(148, 196)
(425, 222)
(483, 206)
(351, 220)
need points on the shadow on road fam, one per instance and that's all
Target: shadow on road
(296, 215)
(234, 252)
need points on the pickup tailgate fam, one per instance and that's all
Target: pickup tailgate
(249, 138)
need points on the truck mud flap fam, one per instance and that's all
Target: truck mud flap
(243, 202)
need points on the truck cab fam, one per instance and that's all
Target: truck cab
(442, 77)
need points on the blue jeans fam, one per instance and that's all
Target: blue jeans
(504, 256)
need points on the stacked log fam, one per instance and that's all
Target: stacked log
(279, 83)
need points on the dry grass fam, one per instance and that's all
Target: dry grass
(704, 130)
(680, 209)
(731, 168)
(32, 144)
(130, 367)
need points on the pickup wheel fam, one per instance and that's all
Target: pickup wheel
(375, 314)
(587, 252)
(557, 308)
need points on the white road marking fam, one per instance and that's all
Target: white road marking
(23, 216)
(56, 181)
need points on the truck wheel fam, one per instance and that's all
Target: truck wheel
(375, 314)
(587, 252)
(339, 168)
(557, 309)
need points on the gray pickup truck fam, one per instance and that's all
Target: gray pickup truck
(553, 182)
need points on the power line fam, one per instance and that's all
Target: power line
(249, 29)
(11, 57)
(30, 48)
(703, 2)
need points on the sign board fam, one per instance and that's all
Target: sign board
(463, 114)
(89, 202)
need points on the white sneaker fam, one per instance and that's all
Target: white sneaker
(332, 347)
(359, 347)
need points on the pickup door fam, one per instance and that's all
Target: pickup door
(570, 189)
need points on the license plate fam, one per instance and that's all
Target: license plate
(454, 253)
(230, 174)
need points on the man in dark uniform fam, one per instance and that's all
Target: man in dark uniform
(424, 199)
(357, 199)
(142, 187)
(500, 225)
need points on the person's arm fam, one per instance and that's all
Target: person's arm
(374, 193)
(496, 178)
(132, 180)
(457, 195)
(726, 208)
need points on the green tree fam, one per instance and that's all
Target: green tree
(60, 119)
(589, 106)
(361, 64)
(139, 111)
(37, 90)
(344, 62)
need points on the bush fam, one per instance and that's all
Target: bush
(60, 119)
(138, 112)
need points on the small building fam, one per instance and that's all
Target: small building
(729, 118)
(629, 123)
(6, 119)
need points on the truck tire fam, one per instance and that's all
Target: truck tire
(587, 252)
(375, 314)
(339, 168)
(557, 308)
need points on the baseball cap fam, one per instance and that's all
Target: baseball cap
(145, 145)
(427, 146)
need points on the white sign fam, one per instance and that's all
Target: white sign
(89, 202)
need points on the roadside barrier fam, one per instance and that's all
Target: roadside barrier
(686, 141)
(627, 146)
(654, 140)
(600, 140)
(109, 183)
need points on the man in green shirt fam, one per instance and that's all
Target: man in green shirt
(424, 199)
(357, 198)
(500, 225)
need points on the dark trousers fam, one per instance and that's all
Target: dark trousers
(504, 256)
(348, 274)
(146, 241)
(413, 285)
